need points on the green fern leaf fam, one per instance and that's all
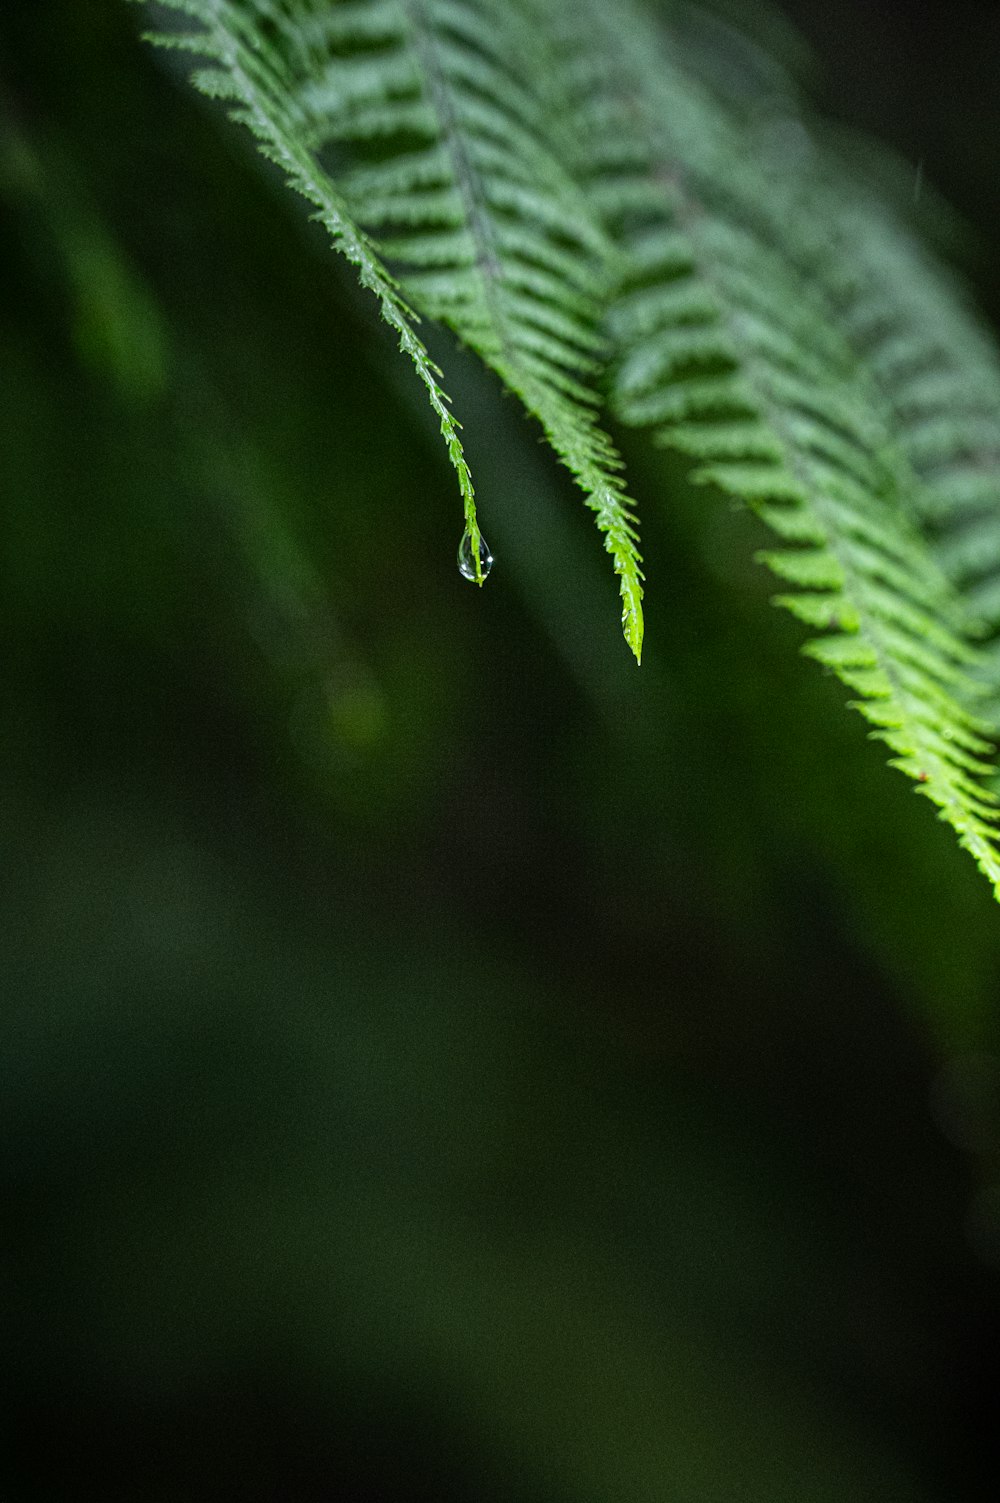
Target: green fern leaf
(255, 79)
(585, 200)
(940, 375)
(730, 354)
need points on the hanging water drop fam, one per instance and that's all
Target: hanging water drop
(467, 561)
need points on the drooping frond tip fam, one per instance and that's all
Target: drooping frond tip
(421, 132)
(252, 74)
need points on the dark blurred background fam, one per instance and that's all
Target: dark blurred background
(439, 1061)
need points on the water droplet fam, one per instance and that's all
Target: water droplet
(466, 559)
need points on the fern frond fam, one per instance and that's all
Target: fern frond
(567, 183)
(730, 355)
(253, 77)
(849, 207)
(926, 351)
(410, 126)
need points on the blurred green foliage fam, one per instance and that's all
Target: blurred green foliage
(416, 1085)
